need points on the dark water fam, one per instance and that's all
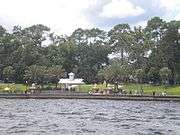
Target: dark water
(88, 117)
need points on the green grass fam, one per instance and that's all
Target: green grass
(147, 88)
(85, 88)
(13, 87)
(89, 87)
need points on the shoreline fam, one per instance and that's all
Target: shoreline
(88, 96)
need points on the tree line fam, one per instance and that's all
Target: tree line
(123, 54)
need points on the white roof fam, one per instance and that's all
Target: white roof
(71, 73)
(68, 81)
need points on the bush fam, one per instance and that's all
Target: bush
(165, 74)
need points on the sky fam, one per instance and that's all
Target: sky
(64, 16)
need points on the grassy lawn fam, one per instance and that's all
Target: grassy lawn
(88, 87)
(147, 88)
(12, 87)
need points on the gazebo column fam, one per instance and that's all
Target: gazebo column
(78, 88)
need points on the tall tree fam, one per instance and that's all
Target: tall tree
(92, 52)
(120, 39)
(171, 49)
(140, 48)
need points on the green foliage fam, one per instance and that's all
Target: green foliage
(8, 72)
(121, 39)
(25, 56)
(92, 53)
(43, 74)
(165, 74)
(153, 74)
(140, 74)
(116, 72)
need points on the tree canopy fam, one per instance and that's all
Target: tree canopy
(121, 54)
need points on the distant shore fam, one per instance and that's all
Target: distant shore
(88, 96)
(132, 88)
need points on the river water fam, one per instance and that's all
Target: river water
(88, 117)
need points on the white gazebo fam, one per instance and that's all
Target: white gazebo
(71, 82)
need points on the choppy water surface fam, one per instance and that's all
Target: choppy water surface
(88, 117)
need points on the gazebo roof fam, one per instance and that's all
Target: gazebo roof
(71, 73)
(68, 81)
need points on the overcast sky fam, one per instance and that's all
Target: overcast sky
(64, 16)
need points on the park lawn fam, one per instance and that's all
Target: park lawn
(174, 90)
(89, 87)
(85, 87)
(13, 87)
(147, 88)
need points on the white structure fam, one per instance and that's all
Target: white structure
(71, 82)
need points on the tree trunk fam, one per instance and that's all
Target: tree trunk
(122, 55)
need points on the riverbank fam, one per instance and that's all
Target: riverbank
(87, 96)
(137, 88)
(148, 89)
